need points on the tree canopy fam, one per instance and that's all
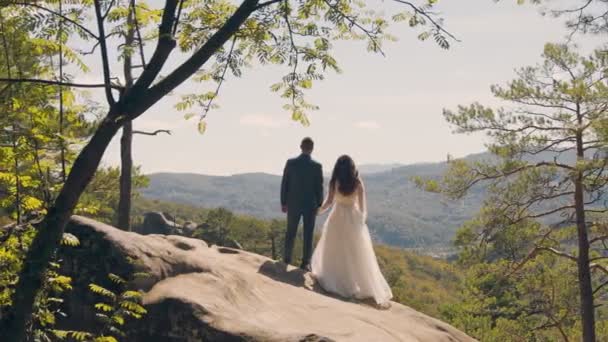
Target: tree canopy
(557, 108)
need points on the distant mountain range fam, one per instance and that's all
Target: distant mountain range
(399, 213)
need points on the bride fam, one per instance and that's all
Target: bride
(344, 261)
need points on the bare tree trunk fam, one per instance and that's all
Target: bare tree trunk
(17, 175)
(273, 247)
(126, 141)
(45, 189)
(584, 270)
(126, 169)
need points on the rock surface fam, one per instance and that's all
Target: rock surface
(200, 293)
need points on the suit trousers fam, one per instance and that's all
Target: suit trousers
(293, 220)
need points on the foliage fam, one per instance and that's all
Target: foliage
(298, 36)
(424, 283)
(587, 17)
(100, 198)
(12, 251)
(217, 226)
(113, 310)
(38, 137)
(15, 242)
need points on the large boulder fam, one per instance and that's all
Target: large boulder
(188, 228)
(200, 293)
(159, 223)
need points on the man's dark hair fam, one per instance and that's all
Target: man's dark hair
(307, 144)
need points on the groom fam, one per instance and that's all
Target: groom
(301, 197)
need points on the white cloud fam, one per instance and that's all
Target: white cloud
(367, 124)
(260, 120)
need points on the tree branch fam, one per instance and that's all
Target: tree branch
(200, 57)
(164, 46)
(57, 83)
(597, 289)
(140, 40)
(32, 4)
(222, 78)
(179, 13)
(480, 176)
(296, 54)
(598, 238)
(370, 35)
(599, 267)
(158, 131)
(438, 26)
(558, 253)
(267, 3)
(104, 53)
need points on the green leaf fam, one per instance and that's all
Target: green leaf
(70, 240)
(102, 291)
(306, 84)
(118, 319)
(103, 307)
(105, 339)
(202, 127)
(80, 335)
(116, 279)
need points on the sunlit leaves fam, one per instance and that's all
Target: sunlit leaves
(116, 279)
(70, 240)
(102, 291)
(105, 339)
(30, 141)
(74, 335)
(103, 307)
(117, 307)
(298, 36)
(101, 195)
(202, 126)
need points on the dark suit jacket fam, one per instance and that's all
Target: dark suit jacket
(302, 185)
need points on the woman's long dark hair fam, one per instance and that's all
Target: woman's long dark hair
(345, 175)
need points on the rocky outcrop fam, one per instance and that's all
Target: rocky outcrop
(188, 228)
(198, 293)
(159, 223)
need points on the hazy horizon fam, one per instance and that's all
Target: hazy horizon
(380, 110)
(326, 168)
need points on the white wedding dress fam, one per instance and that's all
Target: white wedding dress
(344, 261)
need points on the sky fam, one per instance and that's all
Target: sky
(379, 110)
